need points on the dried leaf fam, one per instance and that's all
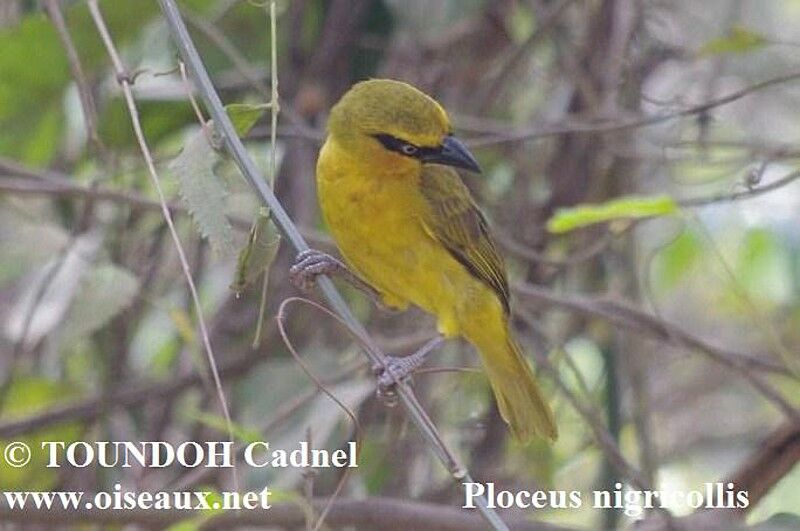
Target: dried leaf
(259, 252)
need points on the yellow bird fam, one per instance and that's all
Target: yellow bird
(412, 234)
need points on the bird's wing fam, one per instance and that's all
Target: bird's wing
(457, 223)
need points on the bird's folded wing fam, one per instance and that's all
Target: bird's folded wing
(455, 221)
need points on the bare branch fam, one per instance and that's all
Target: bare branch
(743, 194)
(133, 395)
(626, 315)
(248, 168)
(773, 459)
(369, 513)
(53, 10)
(576, 125)
(126, 84)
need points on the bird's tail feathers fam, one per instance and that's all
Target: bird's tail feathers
(518, 396)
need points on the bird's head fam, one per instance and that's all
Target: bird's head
(383, 119)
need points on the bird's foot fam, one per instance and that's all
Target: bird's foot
(399, 369)
(310, 264)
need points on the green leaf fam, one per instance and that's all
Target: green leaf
(764, 268)
(738, 40)
(203, 192)
(194, 523)
(28, 396)
(244, 116)
(35, 73)
(105, 291)
(240, 432)
(678, 258)
(31, 115)
(628, 207)
(258, 253)
(160, 119)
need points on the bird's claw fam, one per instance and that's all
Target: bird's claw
(309, 265)
(396, 370)
(387, 376)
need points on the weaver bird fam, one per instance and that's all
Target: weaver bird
(412, 234)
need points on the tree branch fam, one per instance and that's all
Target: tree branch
(369, 513)
(251, 173)
(53, 10)
(573, 125)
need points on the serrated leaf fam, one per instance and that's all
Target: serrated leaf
(259, 252)
(244, 116)
(738, 40)
(204, 193)
(629, 207)
(104, 291)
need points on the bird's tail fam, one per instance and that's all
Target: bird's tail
(519, 398)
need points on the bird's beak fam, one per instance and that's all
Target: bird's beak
(453, 153)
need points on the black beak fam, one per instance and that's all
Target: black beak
(453, 153)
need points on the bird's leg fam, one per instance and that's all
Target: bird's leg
(399, 368)
(311, 263)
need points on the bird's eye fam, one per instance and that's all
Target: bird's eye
(409, 149)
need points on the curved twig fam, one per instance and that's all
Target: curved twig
(254, 177)
(280, 319)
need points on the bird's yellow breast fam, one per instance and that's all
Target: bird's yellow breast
(375, 213)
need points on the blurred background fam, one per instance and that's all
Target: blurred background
(665, 333)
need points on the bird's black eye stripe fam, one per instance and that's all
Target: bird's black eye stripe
(404, 148)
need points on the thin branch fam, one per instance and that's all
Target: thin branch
(281, 319)
(131, 396)
(624, 314)
(628, 316)
(197, 476)
(369, 513)
(571, 125)
(590, 414)
(608, 443)
(69, 188)
(53, 10)
(743, 194)
(545, 24)
(248, 71)
(597, 246)
(274, 109)
(775, 457)
(248, 168)
(126, 83)
(66, 187)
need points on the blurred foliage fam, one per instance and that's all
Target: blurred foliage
(93, 302)
(738, 40)
(26, 396)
